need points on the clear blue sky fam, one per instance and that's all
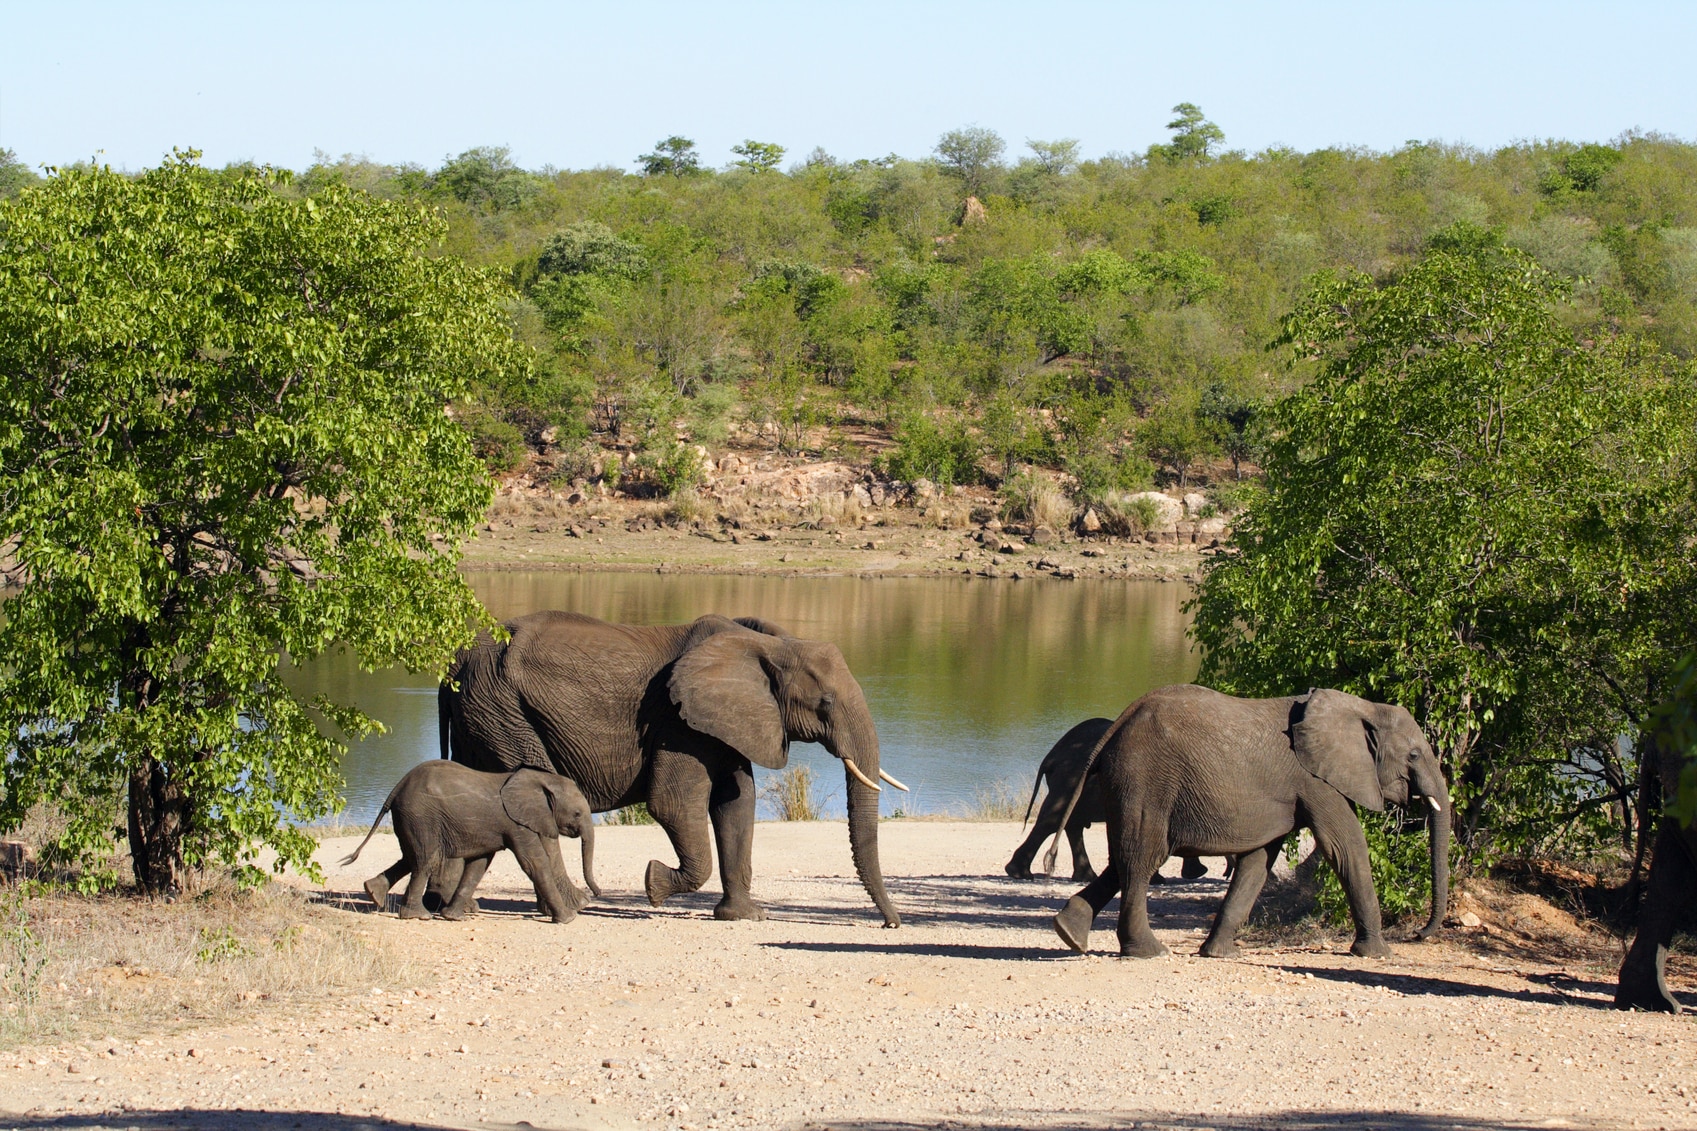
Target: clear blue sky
(576, 85)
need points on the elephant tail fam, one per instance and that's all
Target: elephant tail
(1032, 804)
(381, 813)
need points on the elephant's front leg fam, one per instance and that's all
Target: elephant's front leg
(1247, 881)
(1337, 833)
(1643, 980)
(731, 809)
(678, 798)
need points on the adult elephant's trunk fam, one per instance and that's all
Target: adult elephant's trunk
(589, 858)
(854, 739)
(1429, 783)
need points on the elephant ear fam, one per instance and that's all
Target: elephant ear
(1331, 740)
(722, 688)
(529, 798)
(761, 626)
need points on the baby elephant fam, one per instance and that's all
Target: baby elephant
(446, 811)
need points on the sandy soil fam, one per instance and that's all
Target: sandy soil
(894, 541)
(970, 1015)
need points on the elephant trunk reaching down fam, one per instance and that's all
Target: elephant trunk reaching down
(588, 835)
(854, 739)
(1428, 781)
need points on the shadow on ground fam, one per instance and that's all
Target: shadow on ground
(208, 1120)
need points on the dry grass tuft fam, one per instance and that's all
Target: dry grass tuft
(790, 793)
(1000, 800)
(685, 508)
(72, 964)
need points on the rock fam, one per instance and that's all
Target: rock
(1067, 574)
(1469, 919)
(1042, 536)
(924, 489)
(1048, 563)
(576, 498)
(981, 515)
(879, 495)
(1091, 522)
(1168, 511)
(1194, 502)
(974, 212)
(1094, 553)
(869, 546)
(1213, 527)
(994, 526)
(549, 434)
(860, 495)
(1011, 546)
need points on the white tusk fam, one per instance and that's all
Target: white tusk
(862, 778)
(892, 781)
(1433, 802)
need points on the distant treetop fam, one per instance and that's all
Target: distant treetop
(672, 157)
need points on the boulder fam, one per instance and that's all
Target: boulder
(1091, 522)
(1042, 536)
(1168, 511)
(1194, 502)
(924, 489)
(861, 496)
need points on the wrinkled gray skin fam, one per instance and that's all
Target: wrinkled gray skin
(672, 715)
(1669, 899)
(445, 812)
(1063, 767)
(1191, 771)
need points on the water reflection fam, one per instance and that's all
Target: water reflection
(969, 681)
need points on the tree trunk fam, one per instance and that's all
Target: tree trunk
(159, 816)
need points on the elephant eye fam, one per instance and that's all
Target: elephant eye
(826, 701)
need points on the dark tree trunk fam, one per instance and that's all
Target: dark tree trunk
(159, 816)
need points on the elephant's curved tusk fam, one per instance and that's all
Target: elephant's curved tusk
(893, 781)
(1433, 802)
(862, 778)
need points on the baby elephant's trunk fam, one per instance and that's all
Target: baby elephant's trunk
(589, 857)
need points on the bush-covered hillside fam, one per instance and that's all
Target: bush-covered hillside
(1108, 318)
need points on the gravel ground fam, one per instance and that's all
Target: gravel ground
(970, 1015)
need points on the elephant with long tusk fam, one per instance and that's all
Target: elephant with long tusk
(676, 716)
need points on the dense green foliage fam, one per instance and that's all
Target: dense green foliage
(1053, 325)
(222, 439)
(1473, 512)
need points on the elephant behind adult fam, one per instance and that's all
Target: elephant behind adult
(1670, 897)
(672, 715)
(1192, 771)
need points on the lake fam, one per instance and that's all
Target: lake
(970, 681)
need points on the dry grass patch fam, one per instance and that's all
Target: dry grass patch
(1000, 800)
(116, 963)
(790, 794)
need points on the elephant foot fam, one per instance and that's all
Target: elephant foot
(455, 914)
(564, 914)
(1650, 998)
(1156, 879)
(1083, 875)
(378, 889)
(1193, 869)
(1218, 948)
(1370, 948)
(745, 908)
(658, 882)
(1144, 948)
(1073, 924)
(1017, 870)
(410, 912)
(433, 902)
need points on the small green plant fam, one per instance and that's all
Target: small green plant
(675, 467)
(22, 952)
(637, 814)
(219, 944)
(1398, 849)
(685, 509)
(1030, 497)
(580, 461)
(790, 793)
(945, 453)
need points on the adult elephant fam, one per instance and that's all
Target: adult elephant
(1192, 771)
(672, 715)
(1670, 898)
(1064, 768)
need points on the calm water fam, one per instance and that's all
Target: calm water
(969, 681)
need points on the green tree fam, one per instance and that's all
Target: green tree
(758, 156)
(222, 442)
(486, 177)
(1193, 134)
(1234, 421)
(674, 156)
(970, 155)
(15, 176)
(1471, 513)
(1056, 158)
(1175, 436)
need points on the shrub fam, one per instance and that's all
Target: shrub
(498, 443)
(1028, 496)
(1000, 800)
(945, 453)
(674, 467)
(790, 793)
(637, 814)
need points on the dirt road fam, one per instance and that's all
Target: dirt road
(970, 1015)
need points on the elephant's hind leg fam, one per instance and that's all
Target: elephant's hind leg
(413, 907)
(1081, 869)
(1251, 875)
(1073, 922)
(378, 886)
(678, 799)
(1135, 857)
(731, 809)
(1643, 976)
